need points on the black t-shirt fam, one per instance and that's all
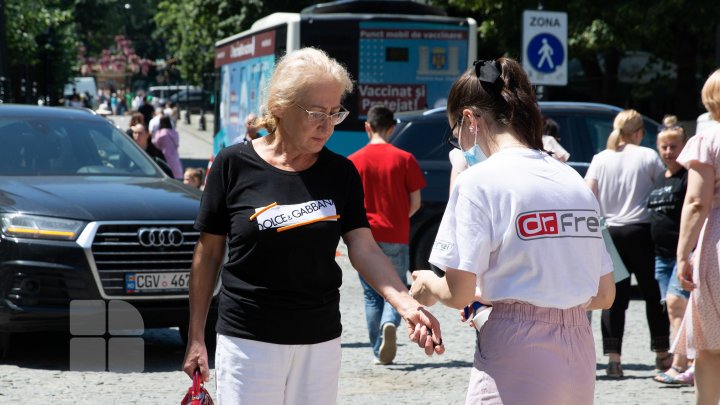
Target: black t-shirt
(665, 205)
(280, 287)
(147, 110)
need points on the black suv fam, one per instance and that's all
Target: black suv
(584, 129)
(86, 215)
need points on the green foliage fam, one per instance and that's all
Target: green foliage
(26, 20)
(99, 21)
(41, 39)
(191, 28)
(682, 32)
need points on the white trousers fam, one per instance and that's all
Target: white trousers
(251, 372)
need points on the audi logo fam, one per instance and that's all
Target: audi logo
(158, 237)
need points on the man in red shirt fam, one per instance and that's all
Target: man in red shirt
(392, 180)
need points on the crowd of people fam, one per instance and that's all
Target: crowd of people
(502, 247)
(153, 127)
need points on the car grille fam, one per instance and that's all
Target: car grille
(117, 250)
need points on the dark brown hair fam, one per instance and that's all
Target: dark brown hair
(136, 118)
(165, 122)
(509, 102)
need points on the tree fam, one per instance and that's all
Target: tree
(600, 34)
(191, 28)
(117, 39)
(41, 45)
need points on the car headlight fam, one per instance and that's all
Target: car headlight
(36, 227)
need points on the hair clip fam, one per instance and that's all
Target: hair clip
(487, 71)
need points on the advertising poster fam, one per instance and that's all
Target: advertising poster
(408, 66)
(245, 66)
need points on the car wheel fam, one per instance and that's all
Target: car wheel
(424, 246)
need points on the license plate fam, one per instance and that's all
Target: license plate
(144, 282)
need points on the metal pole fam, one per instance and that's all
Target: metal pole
(201, 121)
(187, 104)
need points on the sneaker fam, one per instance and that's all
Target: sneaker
(388, 347)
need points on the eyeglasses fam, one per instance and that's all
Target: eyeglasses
(320, 117)
(451, 139)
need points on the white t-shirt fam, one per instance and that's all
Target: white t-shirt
(551, 144)
(154, 124)
(528, 227)
(625, 179)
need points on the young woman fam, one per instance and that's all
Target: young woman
(622, 177)
(699, 335)
(167, 139)
(522, 231)
(665, 204)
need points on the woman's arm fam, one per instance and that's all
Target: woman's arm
(606, 293)
(367, 258)
(698, 201)
(208, 257)
(593, 184)
(455, 290)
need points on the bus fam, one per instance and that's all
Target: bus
(401, 54)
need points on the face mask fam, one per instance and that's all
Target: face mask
(474, 155)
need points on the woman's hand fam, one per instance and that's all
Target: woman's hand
(685, 274)
(420, 289)
(424, 329)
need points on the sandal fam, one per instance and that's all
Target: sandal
(667, 378)
(615, 370)
(663, 363)
(686, 378)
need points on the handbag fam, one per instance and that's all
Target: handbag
(620, 272)
(197, 394)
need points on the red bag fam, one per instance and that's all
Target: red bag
(197, 394)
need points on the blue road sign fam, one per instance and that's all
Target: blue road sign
(545, 52)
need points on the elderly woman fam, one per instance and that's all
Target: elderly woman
(520, 232)
(699, 335)
(282, 202)
(622, 177)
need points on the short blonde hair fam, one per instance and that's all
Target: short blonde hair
(625, 124)
(293, 75)
(669, 121)
(711, 95)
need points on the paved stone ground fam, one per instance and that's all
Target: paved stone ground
(37, 370)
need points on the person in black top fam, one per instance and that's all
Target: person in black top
(665, 205)
(142, 137)
(146, 109)
(281, 203)
(135, 118)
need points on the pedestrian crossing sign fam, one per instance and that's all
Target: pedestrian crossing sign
(545, 57)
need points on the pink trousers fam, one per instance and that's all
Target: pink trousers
(532, 355)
